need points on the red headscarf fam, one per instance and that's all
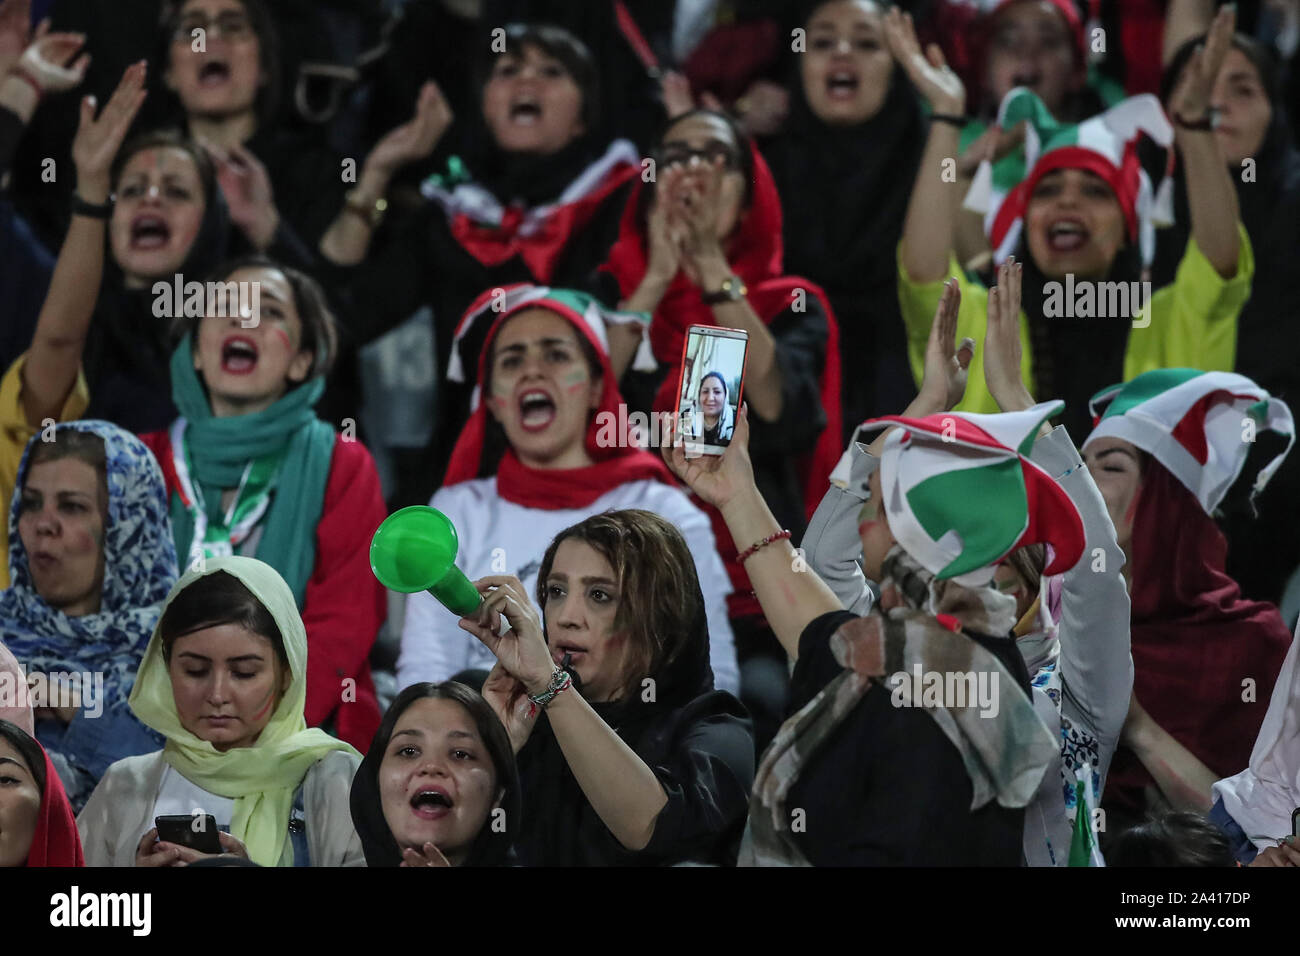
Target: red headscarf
(56, 841)
(614, 462)
(1195, 638)
(755, 254)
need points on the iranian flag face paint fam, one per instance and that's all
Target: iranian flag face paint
(542, 391)
(226, 681)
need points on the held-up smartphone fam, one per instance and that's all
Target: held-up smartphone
(711, 386)
(185, 830)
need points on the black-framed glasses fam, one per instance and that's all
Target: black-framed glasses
(679, 154)
(231, 24)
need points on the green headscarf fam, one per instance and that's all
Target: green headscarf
(220, 448)
(262, 778)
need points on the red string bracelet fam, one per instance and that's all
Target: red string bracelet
(20, 74)
(749, 552)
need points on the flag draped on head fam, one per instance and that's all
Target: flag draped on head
(1199, 425)
(960, 495)
(614, 449)
(1105, 144)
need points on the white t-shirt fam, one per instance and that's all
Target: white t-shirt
(500, 537)
(177, 794)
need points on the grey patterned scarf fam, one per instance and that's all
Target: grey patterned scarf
(1005, 754)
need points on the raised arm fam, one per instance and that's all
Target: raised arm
(624, 792)
(1184, 19)
(32, 68)
(791, 596)
(347, 240)
(1211, 196)
(55, 353)
(928, 228)
(1096, 665)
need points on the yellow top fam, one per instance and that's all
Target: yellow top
(1192, 322)
(15, 433)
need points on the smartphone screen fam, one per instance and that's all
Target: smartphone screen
(197, 833)
(712, 382)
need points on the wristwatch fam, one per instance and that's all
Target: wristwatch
(560, 681)
(373, 215)
(732, 290)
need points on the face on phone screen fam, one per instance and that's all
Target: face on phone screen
(713, 374)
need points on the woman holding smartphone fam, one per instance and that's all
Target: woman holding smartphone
(547, 446)
(224, 680)
(701, 245)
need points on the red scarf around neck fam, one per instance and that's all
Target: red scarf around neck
(613, 463)
(755, 254)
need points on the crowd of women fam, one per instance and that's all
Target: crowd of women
(477, 232)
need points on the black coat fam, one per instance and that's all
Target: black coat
(888, 788)
(698, 743)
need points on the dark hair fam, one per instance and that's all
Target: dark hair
(559, 44)
(267, 103)
(660, 600)
(167, 139)
(28, 749)
(211, 601)
(73, 443)
(1177, 838)
(490, 847)
(494, 439)
(718, 376)
(319, 327)
(1260, 57)
(744, 154)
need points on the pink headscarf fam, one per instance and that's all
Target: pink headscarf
(13, 687)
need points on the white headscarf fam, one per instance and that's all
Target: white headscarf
(1263, 796)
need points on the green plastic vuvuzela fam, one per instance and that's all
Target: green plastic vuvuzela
(415, 550)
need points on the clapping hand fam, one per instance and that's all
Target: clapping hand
(946, 362)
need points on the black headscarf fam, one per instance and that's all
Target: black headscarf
(843, 199)
(683, 691)
(490, 847)
(1264, 541)
(128, 349)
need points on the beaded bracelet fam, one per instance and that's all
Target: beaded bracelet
(749, 552)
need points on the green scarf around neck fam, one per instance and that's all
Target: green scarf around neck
(261, 779)
(220, 449)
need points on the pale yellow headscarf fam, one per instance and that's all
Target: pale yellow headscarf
(262, 778)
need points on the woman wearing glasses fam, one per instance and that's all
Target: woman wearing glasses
(220, 63)
(701, 245)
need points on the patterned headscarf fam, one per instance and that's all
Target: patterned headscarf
(139, 568)
(1005, 755)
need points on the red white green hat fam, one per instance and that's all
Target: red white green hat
(497, 303)
(1105, 144)
(960, 495)
(1199, 425)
